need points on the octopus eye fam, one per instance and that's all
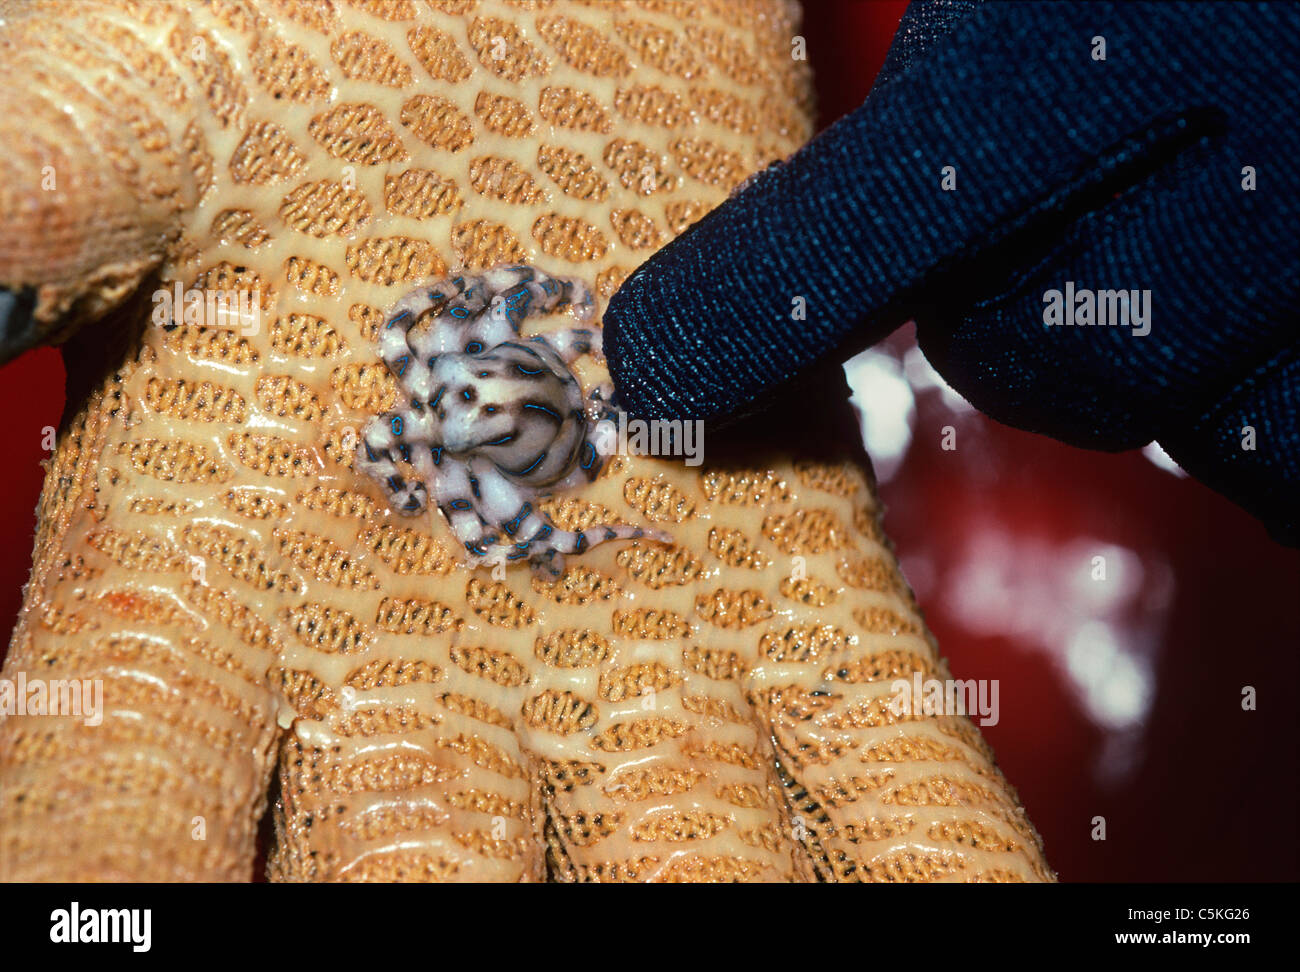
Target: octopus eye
(474, 347)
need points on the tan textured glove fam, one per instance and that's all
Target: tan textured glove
(713, 710)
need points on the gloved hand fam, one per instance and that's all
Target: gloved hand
(1015, 151)
(425, 721)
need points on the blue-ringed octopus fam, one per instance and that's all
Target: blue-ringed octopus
(492, 422)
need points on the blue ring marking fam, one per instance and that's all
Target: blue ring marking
(411, 505)
(433, 402)
(460, 504)
(476, 548)
(638, 533)
(581, 543)
(395, 483)
(512, 525)
(458, 282)
(509, 437)
(405, 450)
(433, 361)
(473, 487)
(543, 533)
(586, 464)
(484, 374)
(464, 311)
(405, 313)
(404, 360)
(490, 410)
(525, 371)
(520, 555)
(536, 462)
(370, 453)
(437, 454)
(397, 425)
(474, 347)
(549, 411)
(465, 394)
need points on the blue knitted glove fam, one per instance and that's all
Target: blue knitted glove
(1166, 170)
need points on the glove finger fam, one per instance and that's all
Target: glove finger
(854, 230)
(92, 182)
(1132, 323)
(1244, 446)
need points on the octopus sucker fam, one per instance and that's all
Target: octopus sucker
(493, 422)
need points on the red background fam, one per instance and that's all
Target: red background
(1200, 789)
